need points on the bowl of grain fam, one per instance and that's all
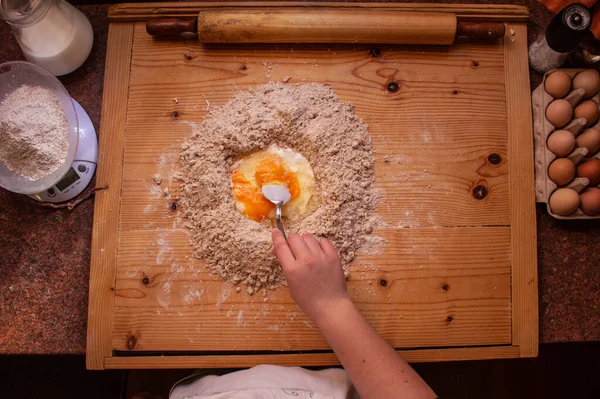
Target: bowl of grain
(39, 131)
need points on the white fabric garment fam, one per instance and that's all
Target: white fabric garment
(268, 382)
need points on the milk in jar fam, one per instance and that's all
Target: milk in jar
(51, 33)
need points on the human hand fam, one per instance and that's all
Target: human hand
(313, 272)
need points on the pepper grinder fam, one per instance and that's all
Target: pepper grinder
(564, 33)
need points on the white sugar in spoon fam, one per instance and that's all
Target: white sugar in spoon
(279, 195)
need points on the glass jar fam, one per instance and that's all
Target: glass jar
(51, 33)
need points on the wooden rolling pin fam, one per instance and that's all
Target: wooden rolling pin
(324, 26)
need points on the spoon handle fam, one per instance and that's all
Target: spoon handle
(278, 218)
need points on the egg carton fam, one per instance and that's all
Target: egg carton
(544, 186)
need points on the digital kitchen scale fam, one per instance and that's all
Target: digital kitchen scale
(82, 170)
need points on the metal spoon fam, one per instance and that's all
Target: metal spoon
(279, 195)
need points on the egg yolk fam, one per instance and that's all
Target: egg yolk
(271, 170)
(256, 206)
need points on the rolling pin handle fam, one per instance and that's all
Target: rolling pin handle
(481, 31)
(172, 27)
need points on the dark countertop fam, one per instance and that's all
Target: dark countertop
(45, 253)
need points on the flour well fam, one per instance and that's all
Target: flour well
(308, 119)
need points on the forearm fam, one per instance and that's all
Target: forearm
(374, 367)
(316, 282)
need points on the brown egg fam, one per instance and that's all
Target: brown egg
(557, 84)
(561, 143)
(559, 112)
(590, 139)
(588, 80)
(561, 171)
(588, 110)
(564, 201)
(590, 201)
(589, 168)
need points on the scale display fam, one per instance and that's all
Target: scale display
(70, 178)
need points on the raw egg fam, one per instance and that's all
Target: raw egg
(590, 139)
(558, 84)
(561, 171)
(272, 166)
(590, 201)
(564, 201)
(589, 81)
(559, 112)
(561, 143)
(590, 168)
(588, 110)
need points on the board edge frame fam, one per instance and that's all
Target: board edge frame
(133, 12)
(524, 276)
(305, 359)
(107, 202)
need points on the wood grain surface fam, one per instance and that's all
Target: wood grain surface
(436, 132)
(435, 298)
(447, 123)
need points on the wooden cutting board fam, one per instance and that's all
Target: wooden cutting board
(457, 278)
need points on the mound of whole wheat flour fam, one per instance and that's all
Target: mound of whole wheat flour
(34, 132)
(308, 119)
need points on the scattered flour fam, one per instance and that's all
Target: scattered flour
(240, 319)
(193, 294)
